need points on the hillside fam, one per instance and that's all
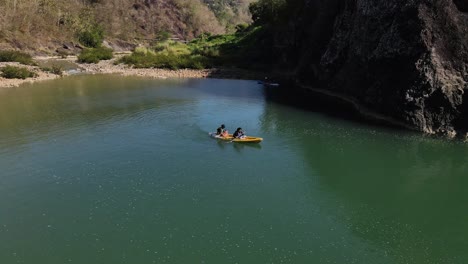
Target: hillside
(44, 25)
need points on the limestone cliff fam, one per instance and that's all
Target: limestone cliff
(406, 59)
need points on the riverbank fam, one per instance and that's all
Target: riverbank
(109, 67)
(41, 75)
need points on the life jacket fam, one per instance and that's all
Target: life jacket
(238, 134)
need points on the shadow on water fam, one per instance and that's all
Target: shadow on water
(238, 89)
(398, 190)
(312, 101)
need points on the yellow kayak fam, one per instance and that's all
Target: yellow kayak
(230, 138)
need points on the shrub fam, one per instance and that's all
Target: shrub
(92, 36)
(198, 63)
(63, 53)
(159, 47)
(209, 51)
(13, 72)
(143, 50)
(163, 35)
(167, 60)
(46, 69)
(15, 56)
(57, 70)
(94, 55)
(268, 11)
(241, 27)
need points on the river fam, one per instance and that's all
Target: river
(110, 169)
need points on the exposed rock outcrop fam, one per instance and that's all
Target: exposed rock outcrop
(407, 59)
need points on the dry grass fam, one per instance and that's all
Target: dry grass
(42, 24)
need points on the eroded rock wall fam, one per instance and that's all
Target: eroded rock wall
(406, 59)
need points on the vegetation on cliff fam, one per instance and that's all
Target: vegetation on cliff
(230, 12)
(46, 24)
(15, 56)
(207, 51)
(250, 46)
(170, 58)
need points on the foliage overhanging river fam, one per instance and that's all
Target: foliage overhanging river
(109, 169)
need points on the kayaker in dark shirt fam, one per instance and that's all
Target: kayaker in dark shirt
(221, 131)
(239, 133)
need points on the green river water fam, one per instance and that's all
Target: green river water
(110, 170)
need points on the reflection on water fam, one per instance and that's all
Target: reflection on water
(241, 146)
(238, 146)
(115, 170)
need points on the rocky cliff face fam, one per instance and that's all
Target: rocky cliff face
(406, 59)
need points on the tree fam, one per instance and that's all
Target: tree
(267, 11)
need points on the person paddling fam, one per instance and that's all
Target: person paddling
(221, 131)
(239, 133)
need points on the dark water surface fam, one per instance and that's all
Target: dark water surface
(107, 169)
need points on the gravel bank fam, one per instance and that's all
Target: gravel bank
(108, 67)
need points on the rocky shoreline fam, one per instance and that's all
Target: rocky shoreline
(108, 67)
